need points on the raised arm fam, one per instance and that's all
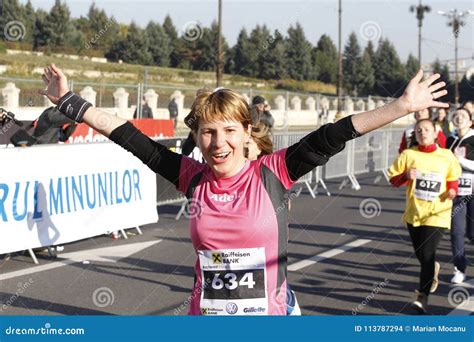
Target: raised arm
(317, 147)
(418, 95)
(57, 88)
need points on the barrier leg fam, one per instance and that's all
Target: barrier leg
(138, 230)
(309, 189)
(33, 256)
(181, 211)
(385, 173)
(325, 187)
(122, 231)
(354, 182)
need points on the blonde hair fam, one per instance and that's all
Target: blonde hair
(218, 105)
(261, 136)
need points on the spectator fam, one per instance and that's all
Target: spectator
(147, 113)
(173, 109)
(442, 122)
(261, 112)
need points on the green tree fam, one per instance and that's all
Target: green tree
(366, 79)
(412, 66)
(325, 57)
(273, 58)
(174, 41)
(159, 44)
(59, 29)
(11, 10)
(298, 54)
(390, 79)
(352, 63)
(134, 48)
(241, 54)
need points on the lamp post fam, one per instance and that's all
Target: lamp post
(455, 20)
(339, 73)
(420, 15)
(219, 64)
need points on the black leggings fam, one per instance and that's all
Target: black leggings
(425, 240)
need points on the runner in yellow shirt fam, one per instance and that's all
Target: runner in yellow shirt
(431, 174)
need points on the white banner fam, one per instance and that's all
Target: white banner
(54, 194)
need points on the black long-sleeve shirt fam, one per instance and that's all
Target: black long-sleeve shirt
(313, 150)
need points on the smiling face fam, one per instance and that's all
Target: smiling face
(462, 119)
(222, 145)
(221, 124)
(425, 133)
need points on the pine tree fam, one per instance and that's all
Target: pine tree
(134, 48)
(58, 25)
(298, 54)
(241, 54)
(159, 44)
(174, 41)
(11, 10)
(325, 57)
(274, 58)
(366, 80)
(389, 71)
(412, 66)
(352, 63)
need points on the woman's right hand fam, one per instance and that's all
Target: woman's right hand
(411, 174)
(56, 84)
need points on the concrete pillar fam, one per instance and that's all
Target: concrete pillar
(296, 103)
(310, 103)
(280, 102)
(11, 97)
(151, 98)
(121, 101)
(89, 94)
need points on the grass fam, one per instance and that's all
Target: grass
(22, 65)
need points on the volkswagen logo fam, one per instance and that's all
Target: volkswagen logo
(231, 308)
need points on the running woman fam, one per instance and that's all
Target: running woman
(462, 145)
(240, 232)
(431, 174)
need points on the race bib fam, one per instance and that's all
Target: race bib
(428, 185)
(465, 184)
(233, 282)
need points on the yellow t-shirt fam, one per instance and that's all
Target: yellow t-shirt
(424, 206)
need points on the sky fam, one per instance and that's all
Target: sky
(368, 19)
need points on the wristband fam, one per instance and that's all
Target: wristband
(73, 106)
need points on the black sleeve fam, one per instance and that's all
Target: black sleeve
(156, 156)
(316, 148)
(188, 145)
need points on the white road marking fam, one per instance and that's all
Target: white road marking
(328, 254)
(107, 254)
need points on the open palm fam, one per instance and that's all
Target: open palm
(420, 94)
(56, 83)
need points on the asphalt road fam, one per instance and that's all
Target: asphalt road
(348, 254)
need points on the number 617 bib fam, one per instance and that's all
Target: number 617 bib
(428, 185)
(233, 282)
